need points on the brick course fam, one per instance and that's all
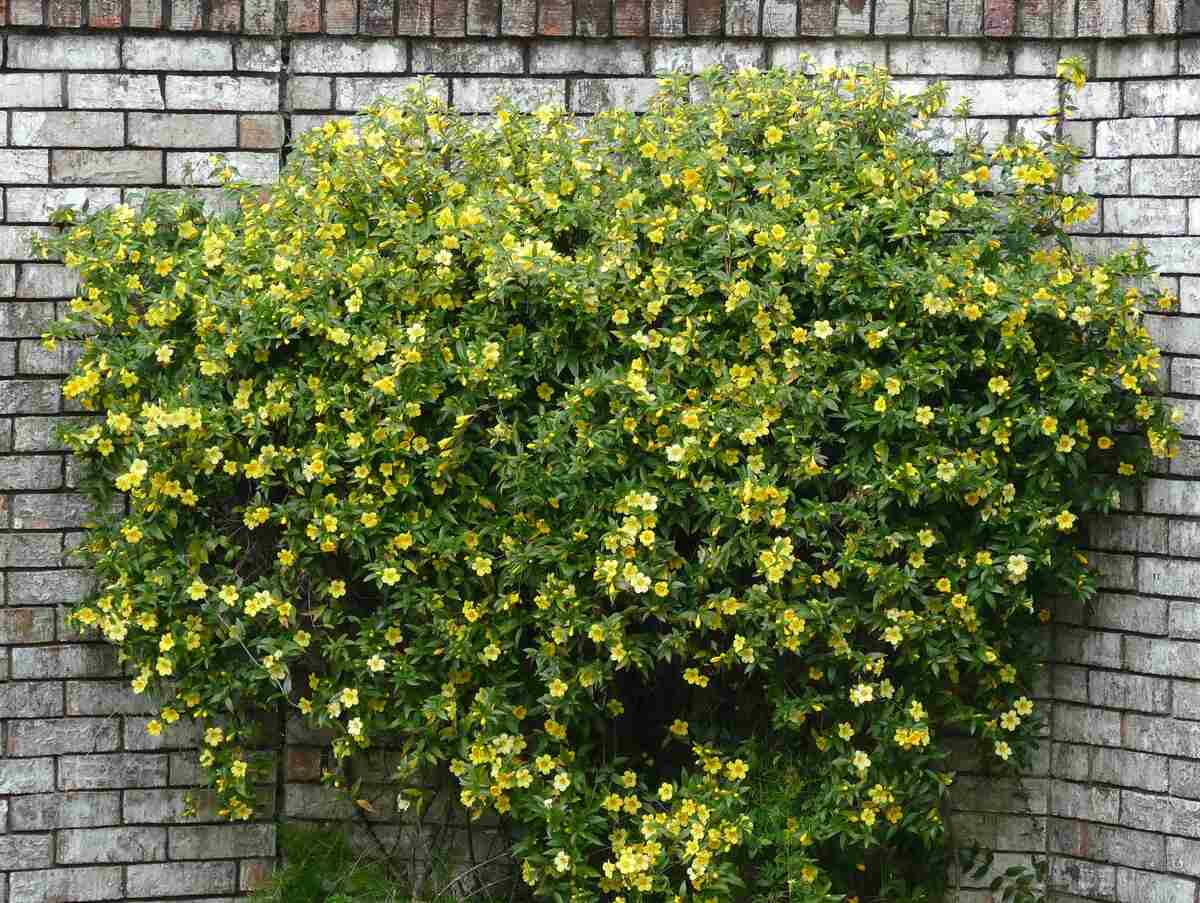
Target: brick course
(91, 808)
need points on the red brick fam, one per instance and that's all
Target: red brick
(224, 15)
(629, 17)
(65, 14)
(3, 11)
(304, 16)
(743, 18)
(816, 16)
(414, 17)
(929, 17)
(591, 18)
(1036, 18)
(303, 764)
(341, 16)
(104, 13)
(483, 17)
(666, 17)
(704, 17)
(145, 14)
(261, 132)
(554, 18)
(449, 17)
(1000, 18)
(376, 17)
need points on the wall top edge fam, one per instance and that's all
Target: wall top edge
(598, 19)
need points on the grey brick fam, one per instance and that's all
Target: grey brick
(22, 319)
(111, 771)
(1185, 539)
(589, 57)
(1127, 533)
(1129, 769)
(79, 885)
(48, 587)
(1168, 577)
(976, 794)
(1070, 683)
(591, 95)
(940, 57)
(180, 734)
(1142, 136)
(53, 737)
(698, 56)
(1078, 876)
(30, 550)
(1085, 801)
(1185, 376)
(1145, 216)
(26, 851)
(169, 53)
(1162, 735)
(177, 879)
(222, 841)
(67, 128)
(1146, 887)
(1185, 779)
(1166, 657)
(95, 91)
(1088, 647)
(353, 94)
(822, 54)
(26, 625)
(36, 204)
(258, 55)
(30, 472)
(483, 95)
(26, 775)
(83, 660)
(47, 811)
(1129, 691)
(1080, 724)
(222, 92)
(31, 89)
(29, 699)
(1181, 335)
(1002, 833)
(198, 168)
(46, 280)
(1121, 846)
(338, 55)
(80, 846)
(185, 130)
(1183, 856)
(59, 51)
(1189, 137)
(1101, 177)
(1114, 572)
(1161, 97)
(123, 167)
(1132, 613)
(107, 697)
(309, 92)
(24, 166)
(1168, 175)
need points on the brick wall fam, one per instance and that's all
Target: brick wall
(104, 100)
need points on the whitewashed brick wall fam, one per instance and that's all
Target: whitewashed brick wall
(104, 101)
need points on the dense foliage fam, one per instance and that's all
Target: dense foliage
(680, 482)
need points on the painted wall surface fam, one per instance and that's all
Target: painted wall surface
(104, 100)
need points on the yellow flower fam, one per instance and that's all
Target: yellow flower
(679, 728)
(1065, 520)
(737, 770)
(1003, 750)
(198, 589)
(154, 727)
(558, 688)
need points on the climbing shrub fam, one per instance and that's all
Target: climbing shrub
(681, 483)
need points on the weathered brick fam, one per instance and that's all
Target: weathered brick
(79, 885)
(159, 53)
(47, 587)
(1166, 657)
(24, 166)
(1162, 735)
(1185, 700)
(1121, 846)
(1084, 801)
(1180, 175)
(1146, 887)
(1080, 724)
(979, 794)
(28, 699)
(1079, 876)
(28, 396)
(1069, 683)
(26, 851)
(199, 168)
(450, 17)
(1170, 496)
(467, 57)
(591, 17)
(696, 57)
(334, 55)
(260, 131)
(995, 831)
(590, 57)
(123, 167)
(84, 660)
(106, 697)
(591, 95)
(177, 879)
(30, 550)
(36, 204)
(353, 94)
(1088, 647)
(1100, 177)
(145, 14)
(1136, 613)
(779, 19)
(30, 472)
(1162, 97)
(112, 771)
(1183, 856)
(480, 95)
(80, 846)
(821, 54)
(222, 92)
(57, 736)
(1121, 59)
(1129, 691)
(26, 775)
(1123, 768)
(307, 92)
(93, 91)
(26, 625)
(1145, 216)
(25, 319)
(31, 89)
(222, 841)
(817, 17)
(945, 58)
(1142, 136)
(1114, 572)
(60, 51)
(185, 130)
(67, 129)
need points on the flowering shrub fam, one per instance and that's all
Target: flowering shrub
(680, 482)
